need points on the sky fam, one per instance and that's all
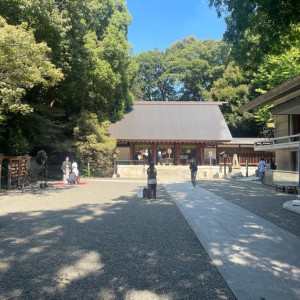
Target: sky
(159, 23)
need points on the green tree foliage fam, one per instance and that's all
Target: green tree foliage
(257, 27)
(23, 65)
(274, 70)
(88, 42)
(233, 87)
(185, 71)
(93, 147)
(196, 65)
(153, 78)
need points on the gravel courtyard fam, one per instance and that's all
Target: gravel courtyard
(99, 241)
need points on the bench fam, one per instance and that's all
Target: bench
(286, 186)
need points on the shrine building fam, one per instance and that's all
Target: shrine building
(179, 131)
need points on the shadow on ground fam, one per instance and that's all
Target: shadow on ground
(123, 248)
(262, 200)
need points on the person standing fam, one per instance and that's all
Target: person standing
(75, 171)
(261, 169)
(152, 182)
(272, 164)
(66, 168)
(159, 157)
(194, 169)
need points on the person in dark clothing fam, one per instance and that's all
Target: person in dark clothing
(66, 168)
(72, 178)
(194, 169)
(150, 158)
(272, 164)
(152, 182)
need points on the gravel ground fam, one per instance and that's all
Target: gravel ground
(260, 199)
(99, 241)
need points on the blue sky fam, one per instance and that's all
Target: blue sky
(159, 23)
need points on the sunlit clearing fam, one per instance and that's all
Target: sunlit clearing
(36, 249)
(266, 237)
(107, 294)
(49, 230)
(145, 295)
(19, 241)
(89, 264)
(4, 266)
(35, 213)
(84, 219)
(252, 225)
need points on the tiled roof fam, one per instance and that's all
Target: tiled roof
(172, 122)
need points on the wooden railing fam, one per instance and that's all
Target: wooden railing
(283, 142)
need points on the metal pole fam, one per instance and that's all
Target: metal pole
(246, 167)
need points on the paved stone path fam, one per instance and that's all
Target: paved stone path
(258, 259)
(99, 241)
(259, 199)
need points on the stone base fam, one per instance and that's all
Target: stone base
(289, 206)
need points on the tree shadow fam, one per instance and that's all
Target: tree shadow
(250, 247)
(262, 200)
(124, 248)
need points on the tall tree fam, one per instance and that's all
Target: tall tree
(274, 70)
(196, 65)
(23, 65)
(153, 78)
(88, 42)
(233, 87)
(257, 27)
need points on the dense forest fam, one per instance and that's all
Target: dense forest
(67, 70)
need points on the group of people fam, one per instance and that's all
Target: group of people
(263, 165)
(70, 172)
(152, 181)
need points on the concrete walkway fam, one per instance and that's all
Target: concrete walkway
(258, 259)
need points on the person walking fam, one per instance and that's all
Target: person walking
(194, 169)
(152, 182)
(66, 167)
(261, 169)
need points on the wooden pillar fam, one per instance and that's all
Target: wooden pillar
(217, 156)
(19, 172)
(177, 154)
(142, 154)
(154, 152)
(198, 154)
(9, 175)
(239, 155)
(202, 161)
(132, 151)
